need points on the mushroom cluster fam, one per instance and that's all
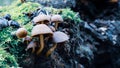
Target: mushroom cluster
(44, 25)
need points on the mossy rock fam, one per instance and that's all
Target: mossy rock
(16, 48)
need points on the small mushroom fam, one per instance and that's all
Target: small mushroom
(32, 45)
(52, 28)
(56, 19)
(40, 30)
(58, 37)
(27, 39)
(21, 33)
(42, 19)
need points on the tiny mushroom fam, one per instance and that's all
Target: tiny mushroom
(52, 28)
(58, 37)
(40, 30)
(32, 45)
(56, 19)
(21, 33)
(27, 39)
(42, 19)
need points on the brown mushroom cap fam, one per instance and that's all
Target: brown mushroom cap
(21, 33)
(56, 18)
(40, 18)
(41, 29)
(59, 37)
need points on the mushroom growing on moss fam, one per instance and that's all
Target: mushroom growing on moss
(40, 30)
(21, 33)
(56, 19)
(58, 37)
(42, 19)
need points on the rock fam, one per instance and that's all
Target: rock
(3, 23)
(88, 9)
(108, 44)
(14, 24)
(57, 3)
(7, 17)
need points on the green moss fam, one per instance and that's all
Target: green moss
(9, 42)
(67, 14)
(16, 10)
(7, 60)
(15, 48)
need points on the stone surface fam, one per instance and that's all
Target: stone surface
(57, 3)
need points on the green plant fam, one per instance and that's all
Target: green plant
(15, 48)
(14, 45)
(7, 60)
(16, 11)
(67, 14)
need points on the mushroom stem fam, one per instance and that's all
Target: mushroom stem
(27, 42)
(41, 44)
(56, 25)
(42, 22)
(51, 50)
(33, 49)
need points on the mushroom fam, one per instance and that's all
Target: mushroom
(40, 30)
(41, 19)
(52, 28)
(27, 39)
(21, 33)
(32, 45)
(58, 37)
(56, 19)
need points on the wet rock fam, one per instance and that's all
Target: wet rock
(7, 17)
(3, 23)
(107, 43)
(88, 9)
(6, 22)
(103, 60)
(14, 24)
(58, 3)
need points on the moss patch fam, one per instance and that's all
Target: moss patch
(16, 10)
